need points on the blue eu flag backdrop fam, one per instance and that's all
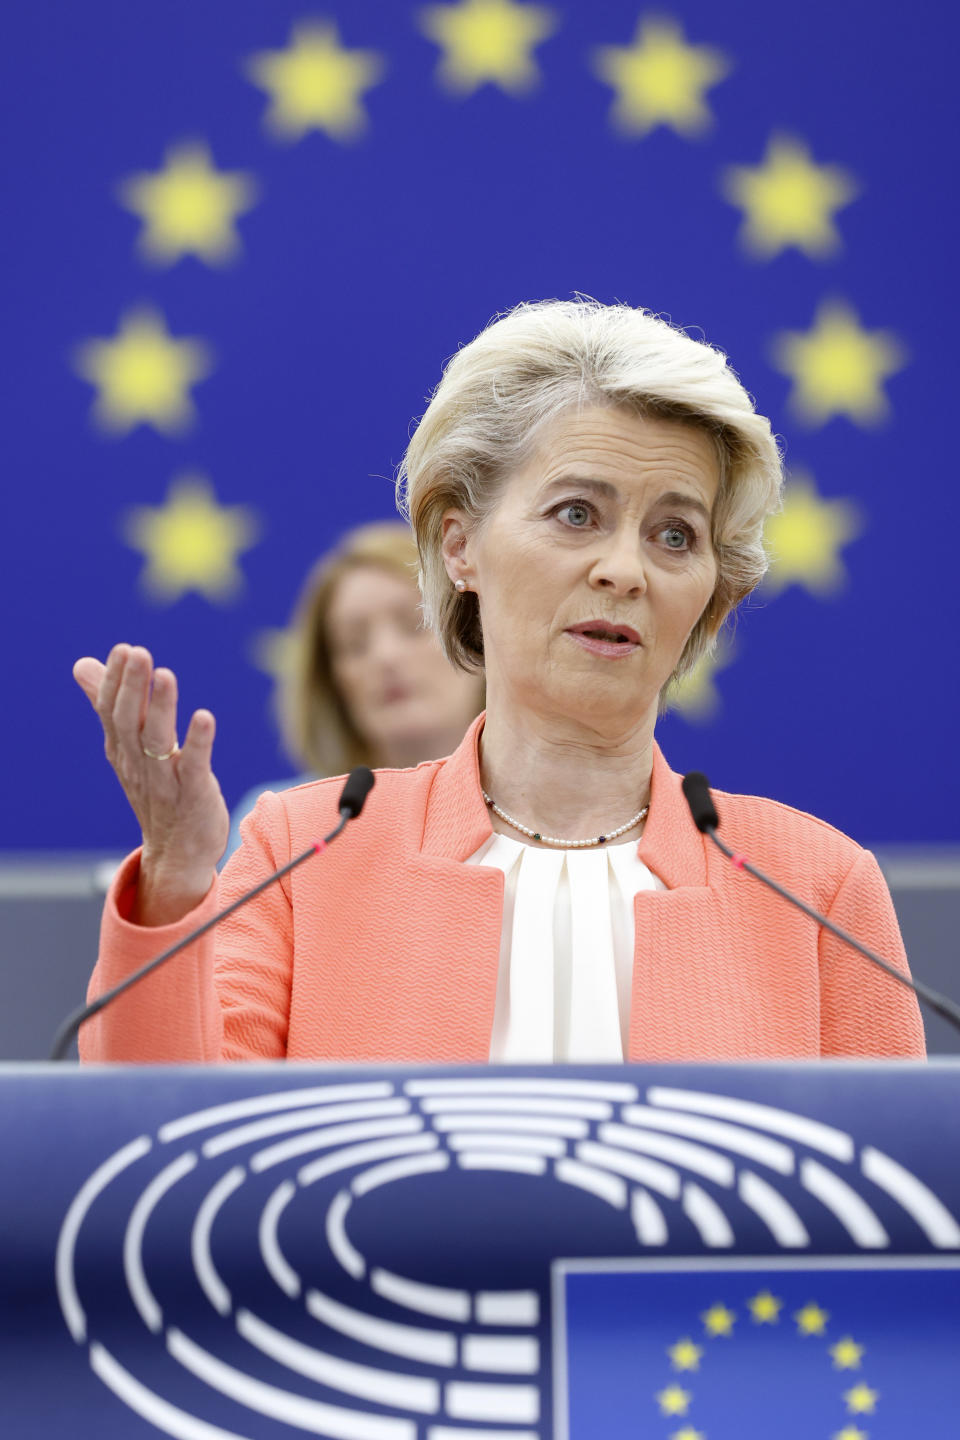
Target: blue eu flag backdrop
(708, 1352)
(241, 238)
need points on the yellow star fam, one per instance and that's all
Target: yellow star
(685, 1355)
(765, 1308)
(850, 1432)
(659, 79)
(861, 1400)
(188, 208)
(687, 1433)
(805, 537)
(837, 367)
(314, 84)
(191, 542)
(788, 200)
(718, 1320)
(488, 41)
(847, 1354)
(696, 696)
(271, 650)
(143, 374)
(811, 1320)
(673, 1400)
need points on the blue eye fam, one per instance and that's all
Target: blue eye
(677, 537)
(577, 514)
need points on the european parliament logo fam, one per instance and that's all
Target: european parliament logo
(830, 1349)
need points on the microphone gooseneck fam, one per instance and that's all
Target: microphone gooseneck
(696, 790)
(353, 796)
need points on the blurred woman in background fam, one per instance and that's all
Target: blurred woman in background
(365, 682)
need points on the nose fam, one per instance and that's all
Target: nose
(619, 567)
(389, 646)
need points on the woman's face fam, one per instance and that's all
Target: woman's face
(594, 566)
(398, 688)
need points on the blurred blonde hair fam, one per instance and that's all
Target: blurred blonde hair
(549, 358)
(318, 732)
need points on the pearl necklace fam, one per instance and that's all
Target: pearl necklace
(554, 840)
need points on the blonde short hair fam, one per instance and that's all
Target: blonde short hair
(317, 728)
(544, 360)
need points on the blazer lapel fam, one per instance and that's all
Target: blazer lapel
(459, 916)
(671, 845)
(678, 934)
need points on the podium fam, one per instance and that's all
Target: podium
(679, 1252)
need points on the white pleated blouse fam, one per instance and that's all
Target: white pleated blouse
(566, 950)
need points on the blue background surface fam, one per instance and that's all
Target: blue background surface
(364, 265)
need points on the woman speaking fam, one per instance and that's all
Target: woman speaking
(588, 489)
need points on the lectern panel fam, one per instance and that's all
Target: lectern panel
(520, 1253)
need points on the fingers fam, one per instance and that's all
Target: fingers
(197, 748)
(136, 705)
(88, 674)
(159, 730)
(132, 694)
(101, 683)
(110, 682)
(138, 708)
(174, 795)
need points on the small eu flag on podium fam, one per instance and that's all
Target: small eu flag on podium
(831, 1350)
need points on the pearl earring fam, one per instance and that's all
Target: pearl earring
(460, 585)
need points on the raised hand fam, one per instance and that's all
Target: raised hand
(173, 790)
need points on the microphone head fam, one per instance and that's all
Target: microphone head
(358, 785)
(696, 790)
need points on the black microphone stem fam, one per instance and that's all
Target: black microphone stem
(940, 1003)
(73, 1022)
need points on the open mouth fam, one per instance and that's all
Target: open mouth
(618, 637)
(604, 639)
(606, 633)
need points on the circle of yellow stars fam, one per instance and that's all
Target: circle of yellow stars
(660, 80)
(764, 1308)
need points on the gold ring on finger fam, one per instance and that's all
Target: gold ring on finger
(154, 755)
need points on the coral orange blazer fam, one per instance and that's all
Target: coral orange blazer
(386, 947)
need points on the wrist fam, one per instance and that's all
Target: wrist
(166, 893)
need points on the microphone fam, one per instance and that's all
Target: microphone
(696, 790)
(358, 785)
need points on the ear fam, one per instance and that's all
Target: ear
(455, 547)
